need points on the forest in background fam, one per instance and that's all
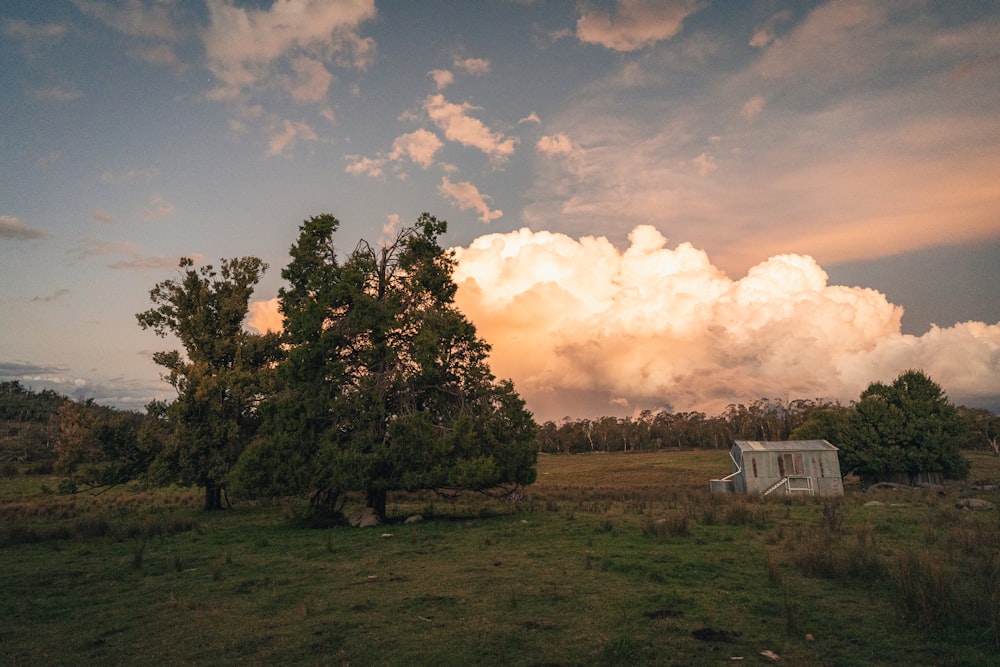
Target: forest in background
(44, 432)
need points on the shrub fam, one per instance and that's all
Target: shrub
(925, 591)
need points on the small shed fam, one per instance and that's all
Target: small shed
(786, 467)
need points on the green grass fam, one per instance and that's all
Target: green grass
(611, 560)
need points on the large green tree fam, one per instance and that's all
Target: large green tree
(221, 376)
(828, 422)
(385, 384)
(904, 431)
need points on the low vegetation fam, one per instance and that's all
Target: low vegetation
(608, 559)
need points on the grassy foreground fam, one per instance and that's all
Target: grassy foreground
(621, 559)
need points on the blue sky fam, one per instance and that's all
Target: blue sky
(617, 177)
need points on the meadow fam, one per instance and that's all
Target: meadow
(608, 559)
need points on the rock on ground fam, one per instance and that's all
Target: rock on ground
(363, 518)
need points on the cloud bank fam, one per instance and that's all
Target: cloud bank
(848, 131)
(585, 329)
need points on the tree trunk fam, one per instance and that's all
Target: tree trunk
(376, 500)
(213, 497)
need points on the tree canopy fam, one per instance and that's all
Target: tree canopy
(385, 384)
(904, 430)
(221, 376)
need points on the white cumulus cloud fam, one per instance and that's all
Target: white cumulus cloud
(442, 78)
(582, 326)
(419, 146)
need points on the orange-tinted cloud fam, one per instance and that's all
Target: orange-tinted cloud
(456, 123)
(634, 23)
(585, 329)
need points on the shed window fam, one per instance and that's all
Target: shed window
(753, 462)
(790, 464)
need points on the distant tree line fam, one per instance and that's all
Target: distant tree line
(763, 419)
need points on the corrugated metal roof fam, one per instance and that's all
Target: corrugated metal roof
(784, 445)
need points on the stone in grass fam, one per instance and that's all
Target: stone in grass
(974, 504)
(363, 518)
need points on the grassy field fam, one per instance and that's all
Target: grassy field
(609, 560)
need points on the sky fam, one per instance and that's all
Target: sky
(671, 205)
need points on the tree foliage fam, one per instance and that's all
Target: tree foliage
(221, 376)
(984, 429)
(98, 446)
(385, 384)
(827, 423)
(904, 430)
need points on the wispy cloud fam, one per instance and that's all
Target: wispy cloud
(157, 207)
(752, 107)
(456, 123)
(59, 293)
(765, 35)
(475, 66)
(310, 80)
(119, 392)
(467, 196)
(156, 54)
(134, 18)
(152, 25)
(557, 144)
(13, 229)
(634, 24)
(49, 158)
(127, 255)
(40, 376)
(358, 165)
(55, 94)
(705, 163)
(243, 44)
(129, 175)
(287, 134)
(419, 147)
(33, 33)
